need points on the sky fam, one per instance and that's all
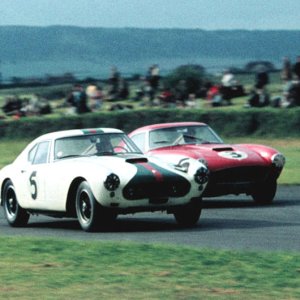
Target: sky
(189, 14)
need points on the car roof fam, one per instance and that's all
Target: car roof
(167, 125)
(76, 132)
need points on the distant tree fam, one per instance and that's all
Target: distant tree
(236, 70)
(192, 75)
(16, 80)
(256, 66)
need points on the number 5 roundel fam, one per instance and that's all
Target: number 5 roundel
(33, 185)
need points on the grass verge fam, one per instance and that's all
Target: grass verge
(55, 269)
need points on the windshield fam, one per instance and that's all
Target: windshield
(95, 144)
(182, 135)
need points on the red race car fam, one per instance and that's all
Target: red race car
(234, 169)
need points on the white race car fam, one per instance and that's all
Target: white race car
(94, 175)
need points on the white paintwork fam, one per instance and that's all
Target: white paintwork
(53, 179)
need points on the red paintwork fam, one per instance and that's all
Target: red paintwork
(250, 156)
(216, 162)
(258, 155)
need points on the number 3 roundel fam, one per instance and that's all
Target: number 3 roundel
(239, 155)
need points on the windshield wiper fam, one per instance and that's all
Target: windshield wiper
(161, 142)
(69, 156)
(103, 153)
(195, 138)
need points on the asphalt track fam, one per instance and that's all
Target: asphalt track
(232, 222)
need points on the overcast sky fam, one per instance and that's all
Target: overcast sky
(203, 14)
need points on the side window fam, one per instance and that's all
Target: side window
(41, 154)
(31, 154)
(139, 140)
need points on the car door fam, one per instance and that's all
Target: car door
(34, 174)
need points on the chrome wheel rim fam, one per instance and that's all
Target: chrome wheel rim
(85, 209)
(11, 204)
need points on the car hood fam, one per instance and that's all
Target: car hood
(218, 156)
(106, 160)
(122, 164)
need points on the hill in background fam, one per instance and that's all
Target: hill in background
(36, 51)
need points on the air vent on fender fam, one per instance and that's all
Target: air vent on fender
(223, 149)
(137, 160)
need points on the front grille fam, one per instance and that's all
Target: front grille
(235, 180)
(156, 190)
(240, 174)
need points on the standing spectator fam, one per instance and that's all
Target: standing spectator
(153, 78)
(291, 97)
(95, 96)
(114, 81)
(78, 99)
(287, 77)
(228, 82)
(286, 72)
(262, 79)
(228, 79)
(124, 89)
(149, 93)
(297, 68)
(181, 92)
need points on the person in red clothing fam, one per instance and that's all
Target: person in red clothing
(214, 95)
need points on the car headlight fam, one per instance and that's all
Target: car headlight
(112, 182)
(201, 175)
(278, 160)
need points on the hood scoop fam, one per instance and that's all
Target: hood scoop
(136, 160)
(223, 149)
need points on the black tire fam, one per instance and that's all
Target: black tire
(90, 214)
(15, 215)
(265, 193)
(188, 215)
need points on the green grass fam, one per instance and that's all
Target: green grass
(9, 150)
(57, 269)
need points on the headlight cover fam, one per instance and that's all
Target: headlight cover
(278, 160)
(201, 176)
(112, 182)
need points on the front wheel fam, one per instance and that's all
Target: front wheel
(15, 215)
(189, 214)
(265, 193)
(91, 214)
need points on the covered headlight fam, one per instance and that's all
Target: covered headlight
(201, 175)
(278, 160)
(112, 182)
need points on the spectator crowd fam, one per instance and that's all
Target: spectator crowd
(149, 90)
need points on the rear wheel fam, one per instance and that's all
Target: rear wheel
(189, 214)
(265, 193)
(91, 215)
(15, 215)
